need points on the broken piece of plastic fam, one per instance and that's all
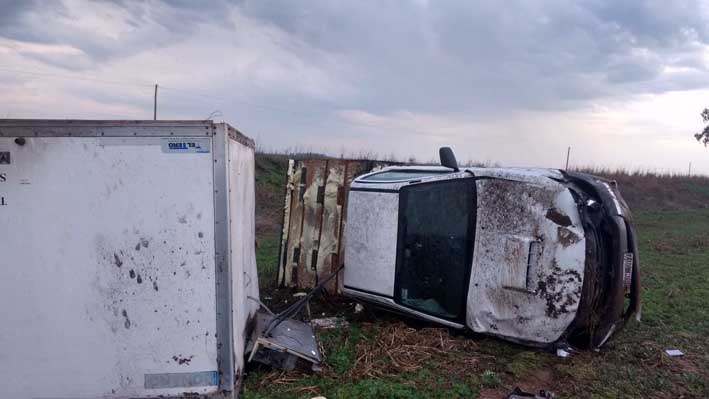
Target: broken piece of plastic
(674, 352)
(562, 353)
(329, 322)
(520, 394)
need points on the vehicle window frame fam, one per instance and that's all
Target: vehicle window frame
(431, 173)
(470, 240)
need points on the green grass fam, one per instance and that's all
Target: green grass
(270, 193)
(270, 172)
(267, 261)
(674, 253)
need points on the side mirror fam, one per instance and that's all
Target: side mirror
(448, 158)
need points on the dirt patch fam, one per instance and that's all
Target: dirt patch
(535, 381)
(567, 237)
(658, 191)
(179, 359)
(554, 290)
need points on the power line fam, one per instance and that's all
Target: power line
(151, 85)
(223, 99)
(155, 103)
(284, 110)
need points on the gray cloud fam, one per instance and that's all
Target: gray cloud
(436, 56)
(286, 70)
(148, 25)
(476, 56)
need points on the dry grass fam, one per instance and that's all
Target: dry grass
(642, 189)
(652, 190)
(386, 350)
(399, 348)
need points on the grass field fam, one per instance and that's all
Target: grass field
(381, 356)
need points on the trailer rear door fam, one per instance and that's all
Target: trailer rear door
(107, 274)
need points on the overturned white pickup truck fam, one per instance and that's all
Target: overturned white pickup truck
(538, 256)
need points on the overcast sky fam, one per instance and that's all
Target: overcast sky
(513, 82)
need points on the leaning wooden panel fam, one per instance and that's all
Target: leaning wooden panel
(328, 251)
(312, 221)
(314, 217)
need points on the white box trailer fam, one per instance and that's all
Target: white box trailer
(127, 258)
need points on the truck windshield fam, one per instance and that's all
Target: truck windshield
(435, 245)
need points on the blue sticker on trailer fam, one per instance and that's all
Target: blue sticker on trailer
(181, 380)
(186, 146)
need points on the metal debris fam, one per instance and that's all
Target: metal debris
(288, 341)
(329, 323)
(564, 350)
(674, 352)
(519, 394)
(279, 340)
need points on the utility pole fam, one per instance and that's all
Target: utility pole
(568, 152)
(689, 173)
(155, 103)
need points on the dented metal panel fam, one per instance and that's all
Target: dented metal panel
(528, 266)
(242, 231)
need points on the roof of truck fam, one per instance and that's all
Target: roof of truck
(123, 128)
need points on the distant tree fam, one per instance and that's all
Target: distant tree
(703, 136)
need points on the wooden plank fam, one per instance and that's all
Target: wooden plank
(312, 221)
(295, 226)
(285, 229)
(328, 251)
